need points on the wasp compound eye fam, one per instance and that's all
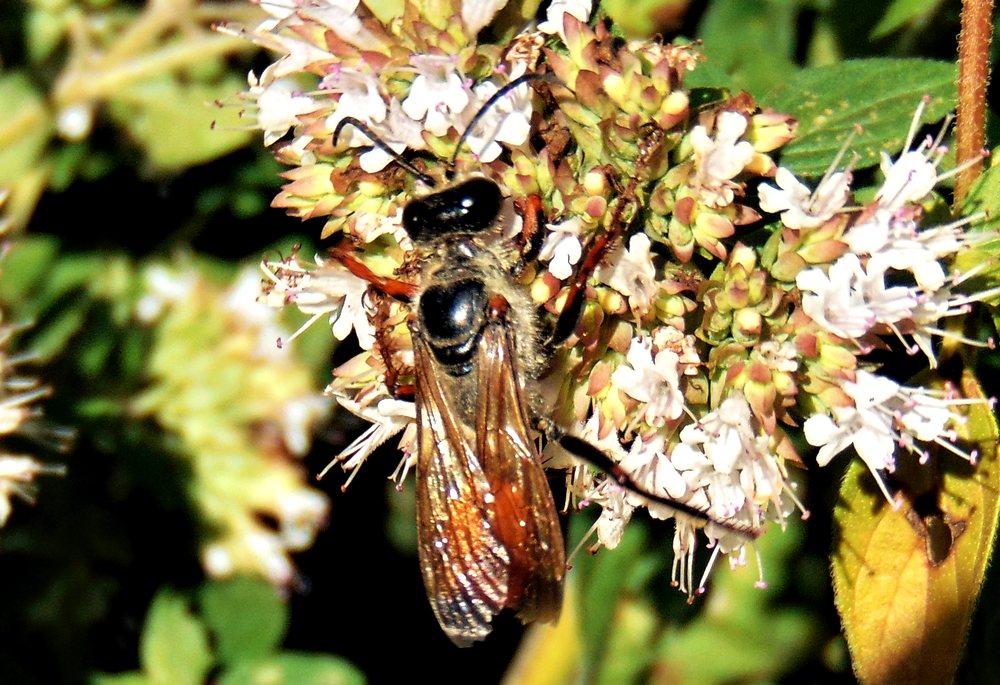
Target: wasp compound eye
(469, 207)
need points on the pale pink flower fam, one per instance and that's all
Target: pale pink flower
(652, 380)
(437, 95)
(834, 300)
(562, 248)
(631, 272)
(800, 207)
(721, 158)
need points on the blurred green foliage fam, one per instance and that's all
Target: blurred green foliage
(236, 635)
(117, 158)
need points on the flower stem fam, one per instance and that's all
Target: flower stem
(97, 84)
(142, 50)
(973, 77)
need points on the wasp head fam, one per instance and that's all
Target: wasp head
(472, 206)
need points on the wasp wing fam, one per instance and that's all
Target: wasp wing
(527, 522)
(487, 528)
(464, 564)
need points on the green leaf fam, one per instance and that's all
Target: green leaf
(174, 648)
(246, 617)
(602, 580)
(984, 196)
(642, 18)
(734, 615)
(293, 668)
(906, 581)
(902, 12)
(45, 30)
(629, 648)
(26, 126)
(37, 273)
(879, 95)
(55, 291)
(825, 47)
(629, 631)
(762, 56)
(175, 123)
(135, 678)
(25, 265)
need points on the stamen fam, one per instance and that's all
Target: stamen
(708, 570)
(832, 169)
(25, 398)
(970, 457)
(915, 122)
(583, 541)
(959, 168)
(945, 125)
(302, 329)
(789, 490)
(761, 584)
(885, 490)
(402, 470)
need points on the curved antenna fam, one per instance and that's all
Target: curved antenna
(383, 146)
(520, 80)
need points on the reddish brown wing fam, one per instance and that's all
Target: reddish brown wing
(527, 523)
(464, 563)
(487, 529)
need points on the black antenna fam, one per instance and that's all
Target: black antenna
(381, 145)
(405, 163)
(519, 81)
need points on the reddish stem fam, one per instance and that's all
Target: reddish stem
(973, 77)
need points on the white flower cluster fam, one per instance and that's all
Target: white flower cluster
(724, 463)
(440, 97)
(853, 299)
(720, 159)
(652, 403)
(324, 288)
(243, 463)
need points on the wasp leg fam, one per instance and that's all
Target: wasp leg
(386, 288)
(597, 249)
(626, 213)
(384, 348)
(579, 447)
(396, 289)
(575, 298)
(529, 240)
(399, 391)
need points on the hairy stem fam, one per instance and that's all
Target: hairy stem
(973, 77)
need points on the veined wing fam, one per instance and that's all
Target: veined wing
(465, 565)
(526, 520)
(487, 527)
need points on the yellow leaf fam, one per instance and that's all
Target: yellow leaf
(549, 655)
(906, 581)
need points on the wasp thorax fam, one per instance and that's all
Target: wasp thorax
(469, 207)
(452, 316)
